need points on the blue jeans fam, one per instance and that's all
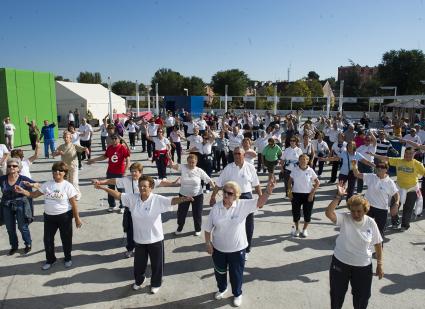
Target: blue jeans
(236, 263)
(10, 218)
(49, 143)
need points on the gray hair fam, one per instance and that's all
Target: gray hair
(15, 160)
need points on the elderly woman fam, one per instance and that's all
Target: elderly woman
(60, 206)
(307, 148)
(303, 184)
(15, 207)
(26, 162)
(381, 192)
(190, 180)
(271, 155)
(146, 209)
(289, 160)
(129, 184)
(68, 152)
(161, 153)
(226, 239)
(352, 258)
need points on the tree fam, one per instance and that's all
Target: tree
(195, 85)
(312, 75)
(169, 82)
(60, 78)
(89, 78)
(315, 87)
(299, 88)
(404, 69)
(124, 87)
(236, 80)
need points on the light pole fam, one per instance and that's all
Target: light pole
(157, 99)
(226, 87)
(187, 91)
(111, 116)
(137, 99)
(149, 88)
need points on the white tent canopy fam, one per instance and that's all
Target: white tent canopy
(92, 97)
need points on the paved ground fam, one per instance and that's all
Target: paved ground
(282, 272)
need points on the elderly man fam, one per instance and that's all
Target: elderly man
(246, 176)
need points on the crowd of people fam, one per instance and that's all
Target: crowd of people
(238, 147)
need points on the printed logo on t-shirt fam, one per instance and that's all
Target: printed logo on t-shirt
(114, 158)
(55, 195)
(405, 169)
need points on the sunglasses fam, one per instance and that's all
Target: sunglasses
(10, 166)
(228, 192)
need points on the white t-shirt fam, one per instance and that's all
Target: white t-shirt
(131, 128)
(246, 176)
(56, 196)
(303, 179)
(9, 129)
(319, 147)
(175, 137)
(87, 130)
(146, 216)
(3, 151)
(152, 129)
(235, 141)
(206, 148)
(363, 149)
(161, 144)
(228, 225)
(195, 141)
(339, 150)
(191, 180)
(416, 139)
(355, 241)
(170, 121)
(75, 138)
(202, 125)
(379, 191)
(306, 149)
(25, 171)
(261, 143)
(103, 130)
(130, 185)
(190, 127)
(290, 156)
(71, 117)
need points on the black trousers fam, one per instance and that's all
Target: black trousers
(151, 147)
(161, 166)
(129, 230)
(103, 142)
(360, 278)
(206, 164)
(144, 140)
(183, 208)
(132, 137)
(260, 162)
(298, 200)
(334, 171)
(155, 252)
(230, 158)
(249, 222)
(178, 151)
(219, 157)
(33, 139)
(408, 206)
(380, 216)
(111, 200)
(88, 145)
(321, 164)
(169, 130)
(63, 222)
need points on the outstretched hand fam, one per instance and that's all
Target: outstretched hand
(341, 188)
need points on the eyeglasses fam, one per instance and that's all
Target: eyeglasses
(12, 166)
(228, 192)
(58, 170)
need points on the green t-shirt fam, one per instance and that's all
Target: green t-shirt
(272, 153)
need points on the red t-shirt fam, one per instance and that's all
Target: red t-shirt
(159, 121)
(117, 155)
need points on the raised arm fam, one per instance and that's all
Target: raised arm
(330, 210)
(382, 158)
(115, 194)
(99, 158)
(265, 196)
(110, 181)
(356, 170)
(36, 151)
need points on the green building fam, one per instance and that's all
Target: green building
(26, 94)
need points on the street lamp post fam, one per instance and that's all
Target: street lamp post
(187, 91)
(226, 87)
(111, 116)
(137, 99)
(157, 99)
(149, 88)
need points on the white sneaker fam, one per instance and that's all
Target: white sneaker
(121, 210)
(46, 266)
(68, 264)
(128, 254)
(207, 191)
(295, 233)
(197, 233)
(304, 234)
(154, 290)
(219, 295)
(111, 209)
(136, 287)
(237, 301)
(178, 232)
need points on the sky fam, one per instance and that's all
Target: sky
(131, 40)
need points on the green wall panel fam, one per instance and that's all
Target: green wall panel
(30, 94)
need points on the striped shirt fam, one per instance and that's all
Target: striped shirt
(382, 147)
